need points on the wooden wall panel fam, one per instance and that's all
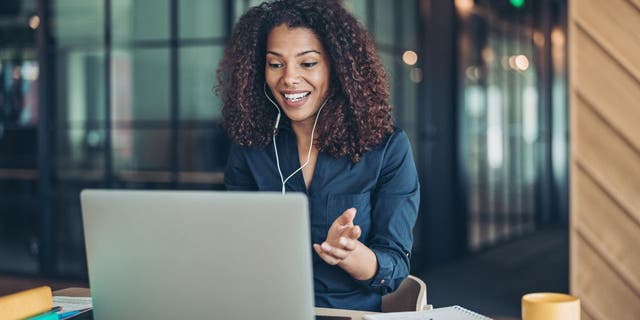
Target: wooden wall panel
(602, 290)
(614, 24)
(608, 87)
(604, 72)
(585, 315)
(607, 156)
(611, 229)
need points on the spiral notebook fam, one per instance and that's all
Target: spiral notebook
(446, 313)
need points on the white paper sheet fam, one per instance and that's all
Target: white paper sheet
(72, 303)
(447, 313)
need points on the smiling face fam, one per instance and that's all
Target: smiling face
(297, 72)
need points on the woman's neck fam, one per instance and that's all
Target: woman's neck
(302, 129)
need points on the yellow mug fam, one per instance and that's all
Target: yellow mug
(550, 306)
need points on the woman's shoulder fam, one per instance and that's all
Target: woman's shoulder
(394, 142)
(397, 139)
(237, 148)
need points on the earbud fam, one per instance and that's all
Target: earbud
(264, 89)
(277, 121)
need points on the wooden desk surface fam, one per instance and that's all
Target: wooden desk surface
(73, 292)
(355, 315)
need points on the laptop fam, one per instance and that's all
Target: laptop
(198, 255)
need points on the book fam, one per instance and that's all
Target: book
(52, 315)
(446, 313)
(26, 303)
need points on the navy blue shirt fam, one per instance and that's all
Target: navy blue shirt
(383, 186)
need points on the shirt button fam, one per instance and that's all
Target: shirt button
(382, 281)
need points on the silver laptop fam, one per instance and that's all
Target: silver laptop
(198, 255)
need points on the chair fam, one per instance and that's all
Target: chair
(411, 295)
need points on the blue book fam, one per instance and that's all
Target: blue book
(50, 315)
(71, 314)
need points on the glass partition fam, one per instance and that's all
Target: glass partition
(130, 105)
(19, 119)
(506, 121)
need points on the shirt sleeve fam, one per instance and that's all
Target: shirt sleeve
(395, 209)
(237, 175)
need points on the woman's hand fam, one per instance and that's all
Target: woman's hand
(342, 248)
(342, 239)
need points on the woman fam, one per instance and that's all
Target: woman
(305, 101)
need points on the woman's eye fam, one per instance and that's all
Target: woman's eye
(309, 64)
(275, 65)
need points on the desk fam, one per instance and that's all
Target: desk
(355, 315)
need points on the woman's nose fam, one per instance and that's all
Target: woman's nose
(291, 76)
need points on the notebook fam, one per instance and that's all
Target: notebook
(446, 313)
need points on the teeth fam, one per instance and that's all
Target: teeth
(294, 97)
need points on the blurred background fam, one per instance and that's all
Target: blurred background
(118, 94)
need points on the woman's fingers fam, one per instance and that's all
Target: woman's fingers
(340, 250)
(342, 239)
(345, 219)
(346, 238)
(337, 253)
(340, 225)
(354, 232)
(329, 259)
(348, 244)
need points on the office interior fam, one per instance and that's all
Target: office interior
(119, 94)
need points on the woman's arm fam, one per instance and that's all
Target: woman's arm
(395, 201)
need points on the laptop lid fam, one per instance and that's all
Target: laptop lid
(198, 254)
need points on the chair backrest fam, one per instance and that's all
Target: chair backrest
(410, 296)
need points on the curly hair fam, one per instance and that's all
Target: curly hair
(360, 116)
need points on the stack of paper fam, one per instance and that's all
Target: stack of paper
(447, 313)
(73, 303)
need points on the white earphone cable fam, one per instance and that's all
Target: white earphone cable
(275, 147)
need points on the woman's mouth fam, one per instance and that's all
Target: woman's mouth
(296, 99)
